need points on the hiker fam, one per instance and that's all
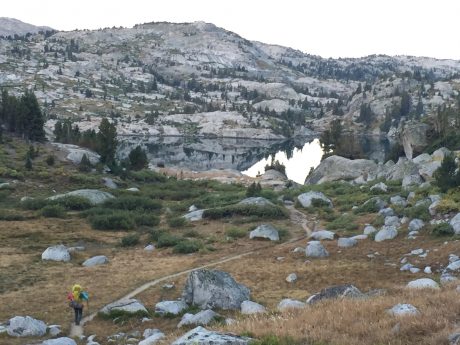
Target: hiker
(76, 298)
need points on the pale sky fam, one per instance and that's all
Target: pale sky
(329, 28)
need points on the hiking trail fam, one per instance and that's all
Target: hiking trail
(295, 217)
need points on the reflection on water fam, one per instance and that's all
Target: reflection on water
(246, 155)
(298, 163)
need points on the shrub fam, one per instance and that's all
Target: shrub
(253, 189)
(447, 176)
(146, 219)
(191, 233)
(420, 212)
(53, 211)
(267, 212)
(442, 229)
(8, 217)
(50, 160)
(276, 165)
(130, 240)
(236, 233)
(319, 203)
(112, 221)
(343, 222)
(138, 158)
(147, 176)
(167, 240)
(177, 222)
(187, 246)
(33, 204)
(368, 207)
(72, 202)
(132, 203)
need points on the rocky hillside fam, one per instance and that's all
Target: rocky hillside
(12, 27)
(199, 79)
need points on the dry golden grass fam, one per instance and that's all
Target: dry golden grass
(350, 322)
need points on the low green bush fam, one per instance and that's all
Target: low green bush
(130, 240)
(33, 204)
(420, 212)
(11, 216)
(176, 222)
(147, 176)
(265, 212)
(132, 203)
(167, 240)
(112, 221)
(443, 229)
(236, 233)
(343, 222)
(53, 211)
(368, 207)
(192, 233)
(319, 203)
(187, 246)
(146, 219)
(76, 203)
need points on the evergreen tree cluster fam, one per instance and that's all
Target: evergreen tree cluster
(447, 176)
(22, 116)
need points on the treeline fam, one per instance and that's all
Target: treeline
(103, 142)
(22, 116)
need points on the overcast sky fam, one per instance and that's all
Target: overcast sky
(330, 28)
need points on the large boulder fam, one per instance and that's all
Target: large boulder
(26, 326)
(307, 199)
(94, 196)
(96, 260)
(202, 336)
(402, 168)
(75, 153)
(265, 231)
(455, 223)
(249, 307)
(423, 283)
(170, 307)
(315, 249)
(336, 168)
(214, 289)
(413, 137)
(322, 235)
(386, 233)
(201, 318)
(338, 291)
(129, 306)
(60, 341)
(56, 253)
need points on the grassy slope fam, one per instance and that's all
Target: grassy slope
(29, 286)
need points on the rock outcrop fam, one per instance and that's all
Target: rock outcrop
(214, 289)
(26, 326)
(56, 253)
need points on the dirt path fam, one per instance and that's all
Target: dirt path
(295, 216)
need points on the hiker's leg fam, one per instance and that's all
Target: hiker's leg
(80, 312)
(76, 315)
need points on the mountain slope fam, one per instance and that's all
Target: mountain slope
(11, 27)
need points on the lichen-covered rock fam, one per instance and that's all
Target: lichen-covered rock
(315, 249)
(96, 260)
(423, 283)
(386, 233)
(56, 253)
(94, 196)
(416, 224)
(322, 235)
(258, 201)
(265, 231)
(249, 307)
(307, 199)
(26, 326)
(403, 309)
(170, 307)
(344, 242)
(338, 291)
(214, 289)
(130, 306)
(288, 303)
(455, 223)
(202, 336)
(201, 318)
(194, 216)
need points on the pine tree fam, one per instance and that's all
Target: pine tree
(85, 164)
(138, 158)
(107, 141)
(446, 176)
